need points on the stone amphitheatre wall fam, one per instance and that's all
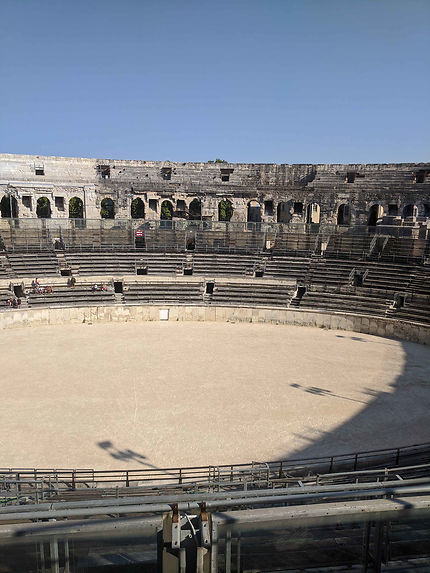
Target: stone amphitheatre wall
(383, 327)
(284, 193)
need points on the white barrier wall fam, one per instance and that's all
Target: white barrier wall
(384, 327)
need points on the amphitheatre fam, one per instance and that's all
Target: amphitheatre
(210, 328)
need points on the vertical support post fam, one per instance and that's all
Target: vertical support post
(182, 560)
(53, 550)
(214, 550)
(366, 542)
(238, 556)
(41, 548)
(228, 551)
(379, 528)
(66, 556)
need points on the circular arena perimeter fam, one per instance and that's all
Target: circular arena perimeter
(166, 394)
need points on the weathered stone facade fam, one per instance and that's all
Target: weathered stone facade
(276, 193)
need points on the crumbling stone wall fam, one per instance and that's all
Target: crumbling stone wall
(285, 193)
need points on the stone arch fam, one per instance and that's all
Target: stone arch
(343, 214)
(225, 210)
(283, 214)
(195, 210)
(43, 208)
(254, 212)
(166, 212)
(313, 213)
(137, 209)
(8, 203)
(76, 208)
(409, 210)
(107, 210)
(375, 212)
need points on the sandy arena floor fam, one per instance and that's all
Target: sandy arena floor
(180, 393)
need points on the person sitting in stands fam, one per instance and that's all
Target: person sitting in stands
(72, 281)
(10, 301)
(103, 287)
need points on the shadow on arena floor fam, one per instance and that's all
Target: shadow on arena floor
(397, 418)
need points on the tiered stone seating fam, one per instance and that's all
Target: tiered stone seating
(120, 235)
(80, 295)
(387, 276)
(295, 268)
(41, 264)
(227, 265)
(147, 292)
(356, 300)
(420, 281)
(416, 309)
(330, 272)
(24, 238)
(230, 241)
(100, 263)
(165, 240)
(81, 238)
(250, 294)
(299, 244)
(166, 264)
(404, 249)
(123, 263)
(5, 295)
(4, 273)
(345, 246)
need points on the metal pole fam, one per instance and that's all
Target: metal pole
(55, 565)
(228, 551)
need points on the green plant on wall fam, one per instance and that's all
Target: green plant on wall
(107, 210)
(76, 208)
(43, 209)
(166, 211)
(137, 209)
(225, 210)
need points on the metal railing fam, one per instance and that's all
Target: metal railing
(215, 476)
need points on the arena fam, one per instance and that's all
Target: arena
(168, 394)
(221, 367)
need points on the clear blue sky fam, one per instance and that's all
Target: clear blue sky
(282, 81)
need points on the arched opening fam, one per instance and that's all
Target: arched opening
(283, 214)
(426, 210)
(225, 210)
(254, 212)
(107, 210)
(137, 209)
(376, 211)
(43, 209)
(9, 205)
(166, 211)
(313, 213)
(409, 211)
(76, 208)
(195, 210)
(343, 214)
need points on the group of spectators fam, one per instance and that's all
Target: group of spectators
(37, 288)
(14, 302)
(96, 287)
